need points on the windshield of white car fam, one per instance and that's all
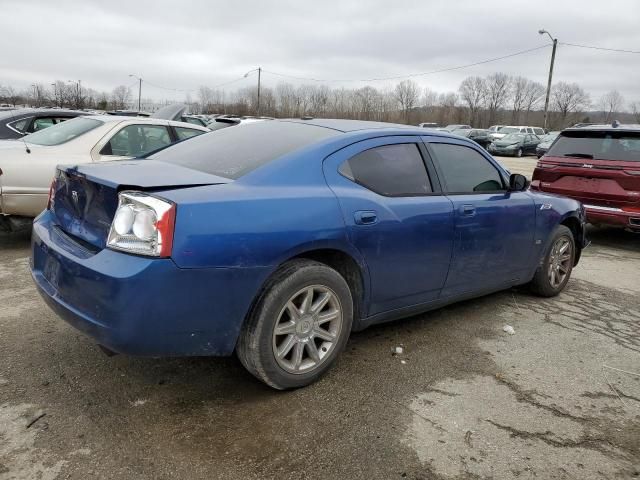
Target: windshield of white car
(63, 132)
(513, 137)
(508, 130)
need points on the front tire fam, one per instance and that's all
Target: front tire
(519, 153)
(298, 326)
(554, 272)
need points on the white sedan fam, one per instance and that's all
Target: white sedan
(27, 165)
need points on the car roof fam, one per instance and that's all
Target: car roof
(629, 127)
(350, 125)
(153, 121)
(26, 112)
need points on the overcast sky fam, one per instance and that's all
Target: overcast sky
(187, 43)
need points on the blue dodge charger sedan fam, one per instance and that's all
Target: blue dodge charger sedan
(277, 239)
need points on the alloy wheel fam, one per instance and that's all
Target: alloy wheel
(307, 329)
(560, 261)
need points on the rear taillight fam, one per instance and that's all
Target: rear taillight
(143, 224)
(52, 195)
(545, 165)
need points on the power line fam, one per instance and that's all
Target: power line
(599, 48)
(459, 67)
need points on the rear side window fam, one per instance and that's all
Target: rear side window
(20, 125)
(391, 170)
(465, 170)
(603, 145)
(234, 152)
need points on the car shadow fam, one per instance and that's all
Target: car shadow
(617, 238)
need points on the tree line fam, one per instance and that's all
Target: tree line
(479, 101)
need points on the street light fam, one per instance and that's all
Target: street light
(259, 70)
(139, 89)
(553, 58)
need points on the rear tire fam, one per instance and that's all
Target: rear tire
(519, 153)
(298, 326)
(554, 272)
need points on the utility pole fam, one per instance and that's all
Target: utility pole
(553, 59)
(259, 70)
(139, 91)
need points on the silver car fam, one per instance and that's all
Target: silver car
(28, 165)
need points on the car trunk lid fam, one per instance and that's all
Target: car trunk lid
(86, 196)
(601, 182)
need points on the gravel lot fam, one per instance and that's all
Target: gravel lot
(559, 399)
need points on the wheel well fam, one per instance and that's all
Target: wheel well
(346, 266)
(573, 224)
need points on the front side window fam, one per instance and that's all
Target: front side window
(64, 132)
(184, 133)
(42, 123)
(465, 170)
(136, 140)
(538, 131)
(390, 170)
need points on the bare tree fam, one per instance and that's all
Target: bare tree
(473, 91)
(120, 97)
(610, 103)
(205, 97)
(568, 100)
(533, 95)
(635, 110)
(407, 94)
(448, 108)
(518, 99)
(498, 89)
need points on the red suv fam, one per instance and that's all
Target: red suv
(598, 165)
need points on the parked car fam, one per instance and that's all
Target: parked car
(18, 123)
(545, 143)
(515, 144)
(494, 128)
(451, 128)
(502, 131)
(28, 167)
(428, 125)
(481, 137)
(279, 252)
(598, 165)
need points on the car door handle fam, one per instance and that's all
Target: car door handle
(468, 210)
(365, 217)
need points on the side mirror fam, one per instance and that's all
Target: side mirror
(518, 183)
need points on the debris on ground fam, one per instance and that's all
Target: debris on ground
(509, 329)
(399, 350)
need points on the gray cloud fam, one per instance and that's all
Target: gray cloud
(190, 43)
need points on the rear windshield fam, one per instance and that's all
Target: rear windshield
(234, 152)
(63, 132)
(604, 145)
